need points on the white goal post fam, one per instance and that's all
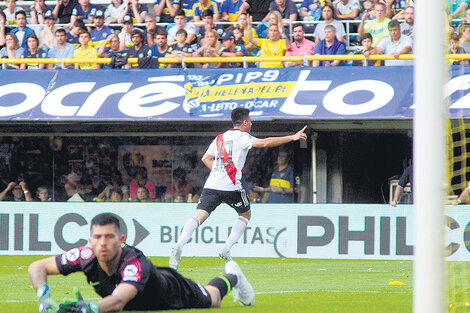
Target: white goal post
(429, 160)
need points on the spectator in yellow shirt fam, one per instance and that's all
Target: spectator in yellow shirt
(377, 27)
(85, 51)
(271, 47)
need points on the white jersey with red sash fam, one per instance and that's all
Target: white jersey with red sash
(229, 150)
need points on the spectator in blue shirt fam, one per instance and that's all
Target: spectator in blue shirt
(101, 31)
(329, 46)
(34, 52)
(135, 10)
(200, 6)
(38, 12)
(114, 48)
(160, 48)
(180, 49)
(230, 10)
(186, 6)
(165, 10)
(12, 50)
(287, 8)
(84, 11)
(77, 28)
(310, 10)
(63, 50)
(151, 28)
(139, 49)
(231, 49)
(208, 19)
(22, 31)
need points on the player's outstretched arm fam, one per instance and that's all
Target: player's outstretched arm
(118, 299)
(113, 303)
(277, 141)
(38, 272)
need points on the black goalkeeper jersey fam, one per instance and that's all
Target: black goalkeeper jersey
(159, 288)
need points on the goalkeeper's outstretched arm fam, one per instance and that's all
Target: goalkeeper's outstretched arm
(39, 270)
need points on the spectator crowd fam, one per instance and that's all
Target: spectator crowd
(210, 28)
(92, 169)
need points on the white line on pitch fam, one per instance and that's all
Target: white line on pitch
(338, 291)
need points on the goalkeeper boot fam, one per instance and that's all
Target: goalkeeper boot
(175, 257)
(225, 254)
(242, 291)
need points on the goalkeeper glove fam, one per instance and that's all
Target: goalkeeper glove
(46, 303)
(78, 305)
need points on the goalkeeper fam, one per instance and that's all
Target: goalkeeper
(127, 280)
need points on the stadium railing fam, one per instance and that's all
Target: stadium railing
(245, 60)
(348, 24)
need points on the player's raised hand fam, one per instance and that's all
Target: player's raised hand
(249, 21)
(301, 134)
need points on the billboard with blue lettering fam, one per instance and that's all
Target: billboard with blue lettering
(204, 94)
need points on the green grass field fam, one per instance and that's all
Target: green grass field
(281, 285)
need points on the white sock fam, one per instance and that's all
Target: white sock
(188, 230)
(238, 229)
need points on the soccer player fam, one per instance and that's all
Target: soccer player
(225, 157)
(127, 280)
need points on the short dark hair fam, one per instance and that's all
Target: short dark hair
(239, 115)
(180, 12)
(116, 190)
(298, 25)
(61, 30)
(182, 31)
(393, 23)
(365, 36)
(455, 37)
(208, 12)
(85, 32)
(105, 219)
(20, 12)
(137, 32)
(34, 37)
(161, 32)
(79, 23)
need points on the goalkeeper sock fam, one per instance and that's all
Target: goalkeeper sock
(224, 283)
(188, 230)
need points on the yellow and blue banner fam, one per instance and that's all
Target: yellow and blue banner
(203, 94)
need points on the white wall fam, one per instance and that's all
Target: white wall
(292, 230)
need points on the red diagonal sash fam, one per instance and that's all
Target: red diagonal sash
(228, 162)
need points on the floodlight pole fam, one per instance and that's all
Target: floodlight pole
(429, 159)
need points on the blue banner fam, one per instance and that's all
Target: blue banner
(205, 94)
